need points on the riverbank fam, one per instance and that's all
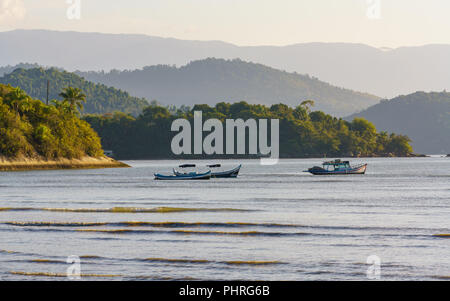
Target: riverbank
(17, 164)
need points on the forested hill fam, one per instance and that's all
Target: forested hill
(100, 98)
(30, 129)
(302, 133)
(211, 81)
(424, 117)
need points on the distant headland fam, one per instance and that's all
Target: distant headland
(34, 135)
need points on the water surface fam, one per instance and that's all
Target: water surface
(271, 223)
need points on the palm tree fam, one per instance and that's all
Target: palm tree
(74, 97)
(19, 100)
(307, 104)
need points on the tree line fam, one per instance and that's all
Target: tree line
(303, 132)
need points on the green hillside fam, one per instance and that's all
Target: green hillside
(100, 98)
(424, 117)
(31, 129)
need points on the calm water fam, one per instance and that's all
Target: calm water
(271, 223)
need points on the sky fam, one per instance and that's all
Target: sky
(379, 23)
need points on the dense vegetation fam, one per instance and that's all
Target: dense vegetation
(99, 98)
(31, 129)
(425, 117)
(302, 133)
(211, 81)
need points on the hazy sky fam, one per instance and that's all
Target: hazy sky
(244, 22)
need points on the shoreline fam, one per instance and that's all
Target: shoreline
(187, 158)
(24, 164)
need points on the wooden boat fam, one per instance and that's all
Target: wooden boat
(232, 173)
(186, 176)
(338, 167)
(186, 170)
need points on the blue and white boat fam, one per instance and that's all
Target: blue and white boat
(338, 167)
(215, 172)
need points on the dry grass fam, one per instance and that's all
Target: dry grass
(16, 164)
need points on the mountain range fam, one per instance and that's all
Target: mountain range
(382, 72)
(193, 72)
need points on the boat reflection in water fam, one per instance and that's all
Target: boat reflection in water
(338, 167)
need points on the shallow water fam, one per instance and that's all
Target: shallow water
(271, 223)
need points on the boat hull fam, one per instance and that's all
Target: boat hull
(233, 173)
(203, 176)
(359, 170)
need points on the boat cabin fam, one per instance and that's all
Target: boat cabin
(336, 165)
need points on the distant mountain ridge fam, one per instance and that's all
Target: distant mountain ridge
(382, 72)
(10, 68)
(424, 117)
(211, 81)
(99, 98)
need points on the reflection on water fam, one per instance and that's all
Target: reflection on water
(271, 223)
